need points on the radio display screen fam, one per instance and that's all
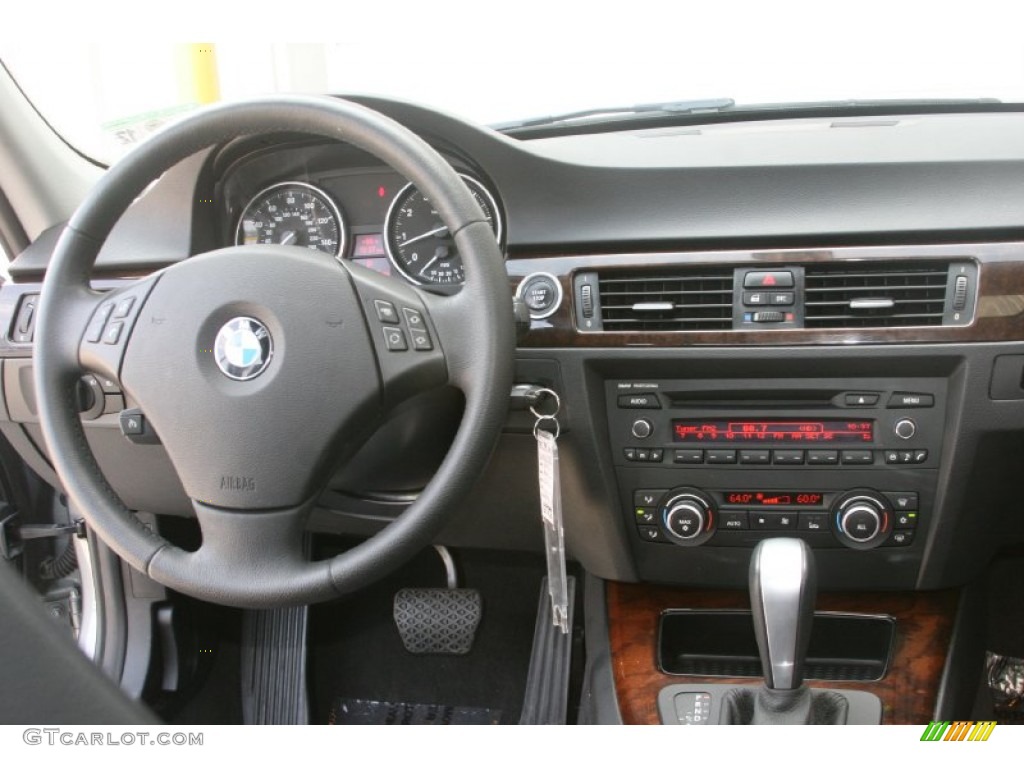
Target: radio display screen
(774, 498)
(771, 431)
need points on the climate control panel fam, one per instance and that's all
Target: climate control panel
(859, 518)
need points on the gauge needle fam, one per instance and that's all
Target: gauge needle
(425, 235)
(430, 263)
(288, 237)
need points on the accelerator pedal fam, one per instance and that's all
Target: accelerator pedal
(438, 621)
(274, 667)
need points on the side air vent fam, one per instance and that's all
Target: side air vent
(692, 300)
(872, 295)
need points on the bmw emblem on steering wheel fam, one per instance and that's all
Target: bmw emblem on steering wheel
(243, 348)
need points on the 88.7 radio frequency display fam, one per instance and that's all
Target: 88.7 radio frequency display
(771, 431)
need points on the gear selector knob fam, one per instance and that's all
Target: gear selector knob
(782, 592)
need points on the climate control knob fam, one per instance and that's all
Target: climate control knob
(688, 516)
(861, 522)
(685, 520)
(863, 519)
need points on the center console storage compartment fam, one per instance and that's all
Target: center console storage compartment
(720, 643)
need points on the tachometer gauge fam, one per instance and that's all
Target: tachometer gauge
(293, 213)
(418, 242)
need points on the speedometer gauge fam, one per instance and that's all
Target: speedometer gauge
(418, 242)
(293, 213)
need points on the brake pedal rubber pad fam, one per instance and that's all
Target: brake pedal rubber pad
(438, 621)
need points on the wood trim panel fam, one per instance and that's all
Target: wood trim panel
(924, 625)
(999, 316)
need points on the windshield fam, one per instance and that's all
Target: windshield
(103, 98)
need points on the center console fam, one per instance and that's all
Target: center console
(708, 468)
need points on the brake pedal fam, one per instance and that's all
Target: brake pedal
(438, 621)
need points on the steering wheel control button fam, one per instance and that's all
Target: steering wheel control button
(421, 341)
(905, 429)
(386, 312)
(124, 307)
(394, 339)
(112, 334)
(243, 348)
(99, 321)
(414, 319)
(911, 400)
(542, 294)
(768, 280)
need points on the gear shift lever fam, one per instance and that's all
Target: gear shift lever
(782, 592)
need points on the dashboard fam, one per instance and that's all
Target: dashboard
(809, 327)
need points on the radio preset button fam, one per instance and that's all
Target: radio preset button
(823, 457)
(722, 456)
(755, 457)
(788, 457)
(857, 457)
(688, 456)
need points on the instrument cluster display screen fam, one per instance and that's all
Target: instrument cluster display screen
(771, 431)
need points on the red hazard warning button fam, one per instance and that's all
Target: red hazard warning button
(768, 280)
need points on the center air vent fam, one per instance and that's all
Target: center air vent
(691, 300)
(871, 295)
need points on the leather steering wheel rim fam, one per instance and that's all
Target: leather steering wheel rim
(253, 558)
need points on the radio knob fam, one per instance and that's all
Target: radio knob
(642, 428)
(685, 519)
(905, 429)
(860, 522)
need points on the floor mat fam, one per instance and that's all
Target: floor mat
(363, 712)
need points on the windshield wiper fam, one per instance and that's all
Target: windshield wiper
(693, 107)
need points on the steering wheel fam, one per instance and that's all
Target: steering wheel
(263, 367)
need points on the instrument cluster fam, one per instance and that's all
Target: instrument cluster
(375, 218)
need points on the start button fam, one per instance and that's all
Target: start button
(542, 294)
